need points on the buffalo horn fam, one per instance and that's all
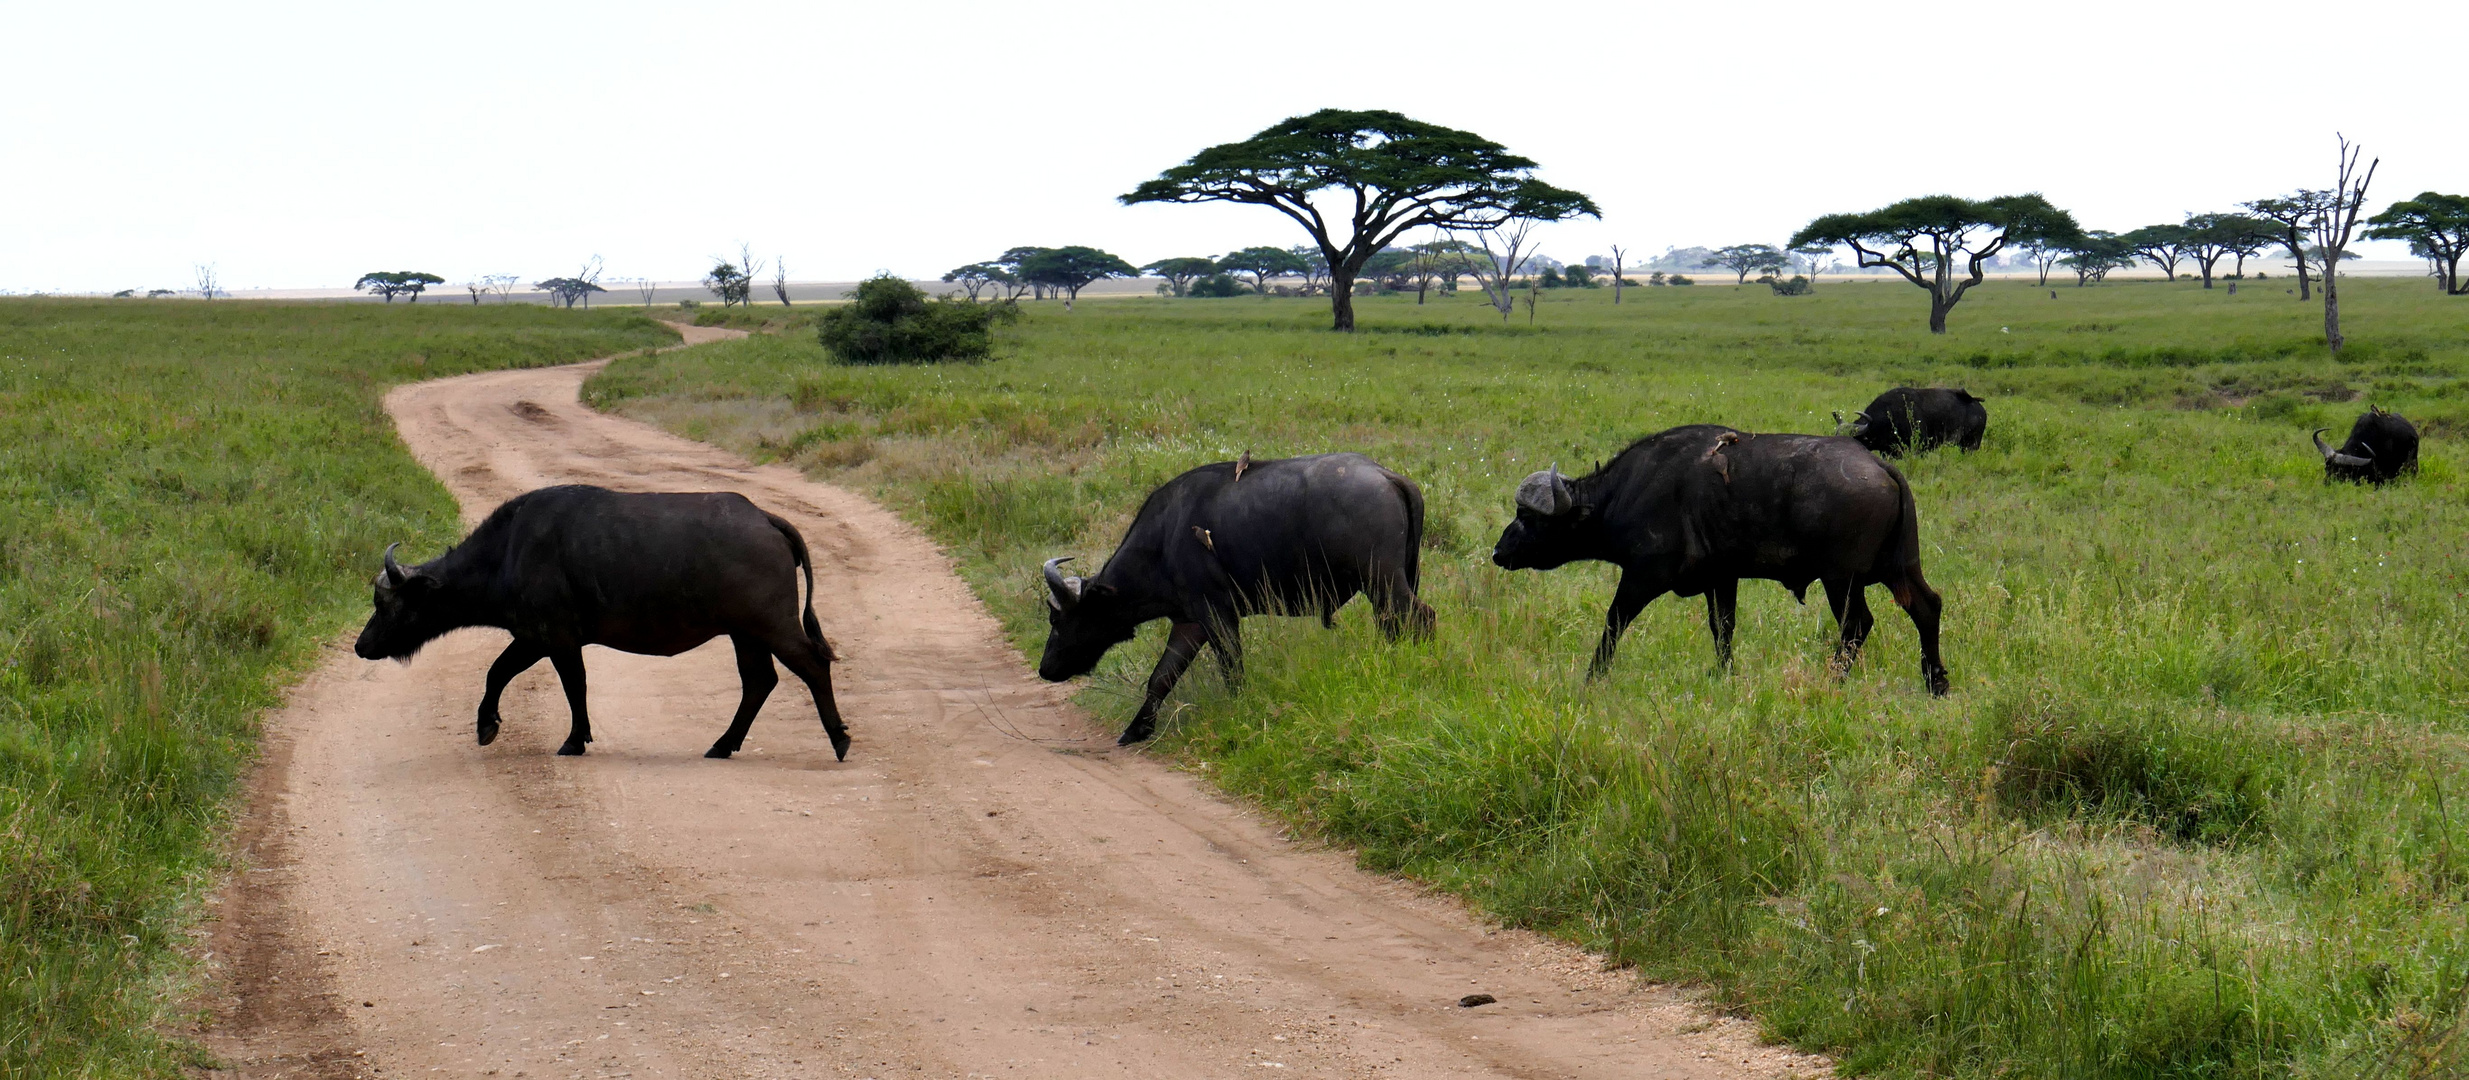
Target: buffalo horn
(394, 570)
(1546, 493)
(1062, 591)
(2336, 457)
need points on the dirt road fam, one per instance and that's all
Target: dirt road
(985, 888)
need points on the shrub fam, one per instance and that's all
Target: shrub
(1797, 286)
(1217, 285)
(892, 322)
(1679, 279)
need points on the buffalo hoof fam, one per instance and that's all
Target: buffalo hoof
(570, 749)
(718, 751)
(840, 745)
(488, 732)
(1938, 684)
(1137, 733)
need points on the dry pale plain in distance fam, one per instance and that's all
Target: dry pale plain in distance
(985, 888)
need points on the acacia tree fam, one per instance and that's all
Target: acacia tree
(2293, 219)
(2212, 237)
(2332, 229)
(1923, 238)
(2164, 245)
(393, 283)
(979, 276)
(567, 290)
(1180, 271)
(1742, 259)
(1389, 174)
(1067, 270)
(209, 281)
(1815, 255)
(1261, 263)
(2436, 224)
(2093, 254)
(780, 279)
(1312, 265)
(503, 285)
(2042, 254)
(1014, 259)
(728, 281)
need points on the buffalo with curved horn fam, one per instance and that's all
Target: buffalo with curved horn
(2381, 448)
(1297, 536)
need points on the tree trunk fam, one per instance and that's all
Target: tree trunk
(1341, 300)
(2297, 251)
(2207, 271)
(2331, 303)
(1938, 307)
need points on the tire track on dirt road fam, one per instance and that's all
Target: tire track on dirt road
(985, 888)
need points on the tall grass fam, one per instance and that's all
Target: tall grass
(2194, 809)
(195, 496)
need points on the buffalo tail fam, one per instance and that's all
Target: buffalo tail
(805, 561)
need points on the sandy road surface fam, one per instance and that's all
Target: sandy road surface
(983, 889)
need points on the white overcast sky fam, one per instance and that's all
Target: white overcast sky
(296, 146)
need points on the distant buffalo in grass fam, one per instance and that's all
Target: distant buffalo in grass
(1295, 536)
(2382, 447)
(1695, 509)
(1918, 418)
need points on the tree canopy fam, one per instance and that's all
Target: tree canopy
(2209, 237)
(1071, 269)
(2093, 254)
(1922, 238)
(1389, 173)
(890, 321)
(1262, 263)
(391, 283)
(1744, 259)
(729, 281)
(567, 290)
(1179, 272)
(2164, 245)
(978, 276)
(2436, 225)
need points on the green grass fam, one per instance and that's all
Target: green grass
(2194, 809)
(195, 497)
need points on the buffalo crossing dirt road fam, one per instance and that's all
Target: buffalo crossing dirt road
(985, 888)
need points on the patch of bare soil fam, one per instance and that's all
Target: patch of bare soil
(984, 888)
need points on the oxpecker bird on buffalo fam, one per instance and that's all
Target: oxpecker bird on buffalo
(2382, 447)
(653, 573)
(1695, 509)
(1296, 536)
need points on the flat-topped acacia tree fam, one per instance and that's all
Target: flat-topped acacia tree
(1922, 239)
(1388, 174)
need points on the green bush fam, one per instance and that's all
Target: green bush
(1218, 285)
(893, 322)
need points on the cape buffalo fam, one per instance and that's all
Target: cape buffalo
(658, 574)
(1918, 418)
(1287, 537)
(1695, 509)
(2381, 448)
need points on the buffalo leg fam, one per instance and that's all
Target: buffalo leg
(755, 674)
(1399, 609)
(1635, 592)
(1922, 603)
(1722, 600)
(811, 661)
(569, 664)
(1182, 643)
(1851, 607)
(518, 658)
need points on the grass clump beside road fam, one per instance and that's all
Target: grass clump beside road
(196, 495)
(2194, 808)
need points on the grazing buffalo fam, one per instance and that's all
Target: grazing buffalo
(1917, 418)
(2381, 448)
(1295, 536)
(1695, 509)
(658, 574)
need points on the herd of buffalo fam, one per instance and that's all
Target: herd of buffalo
(1688, 511)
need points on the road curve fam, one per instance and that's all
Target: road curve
(985, 888)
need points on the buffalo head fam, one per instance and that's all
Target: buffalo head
(408, 613)
(1082, 622)
(1548, 531)
(1855, 427)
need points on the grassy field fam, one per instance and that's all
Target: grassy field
(2188, 812)
(195, 497)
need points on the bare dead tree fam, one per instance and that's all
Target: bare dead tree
(1620, 272)
(746, 262)
(478, 287)
(590, 275)
(646, 288)
(780, 279)
(209, 283)
(1494, 270)
(2340, 216)
(503, 285)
